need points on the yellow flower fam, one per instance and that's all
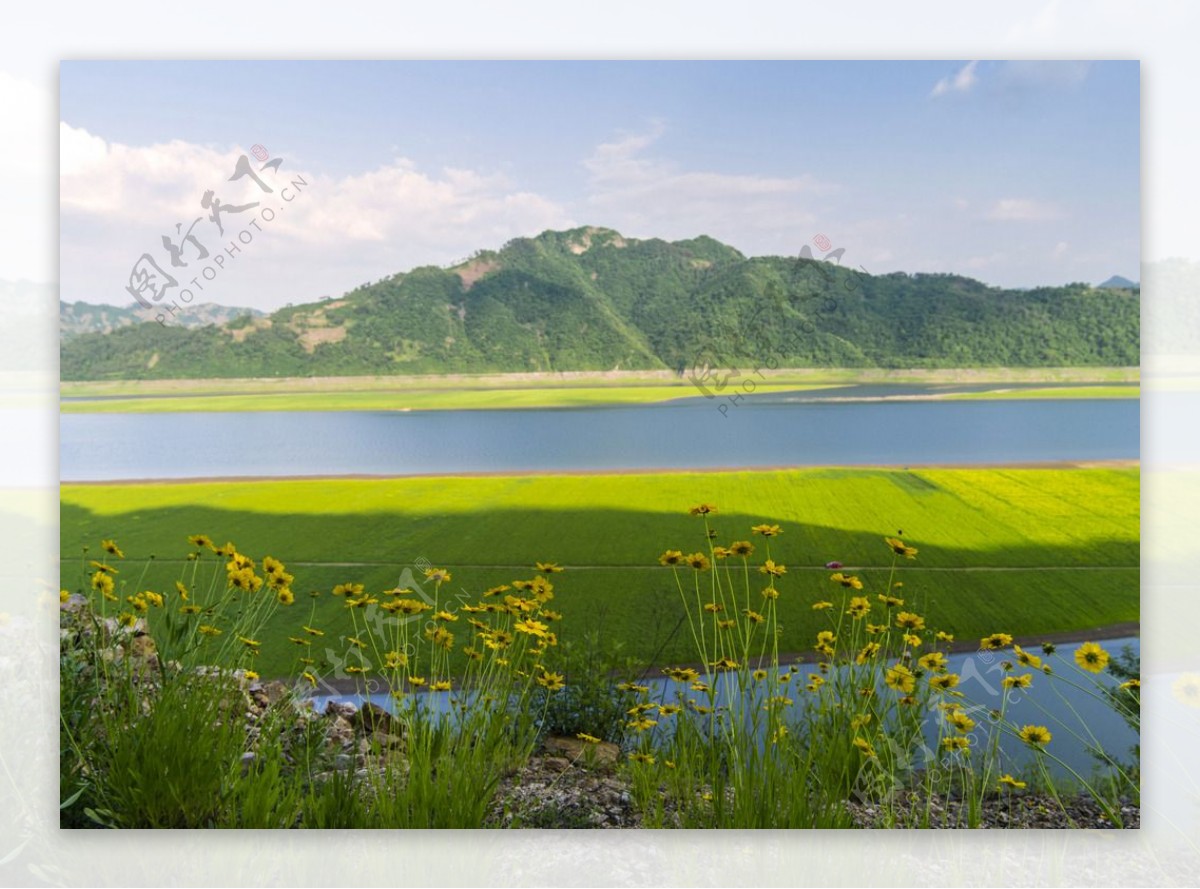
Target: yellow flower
(313, 632)
(942, 636)
(714, 607)
(644, 758)
(441, 637)
(310, 677)
(847, 580)
(182, 589)
(249, 643)
(860, 606)
(206, 630)
(944, 682)
(770, 592)
(348, 589)
(913, 640)
(956, 743)
(1025, 659)
(440, 685)
(767, 530)
(547, 567)
(641, 724)
(867, 652)
(1131, 685)
(741, 548)
(200, 541)
(285, 596)
(103, 582)
(681, 674)
(890, 601)
(815, 681)
(416, 681)
(865, 747)
(531, 627)
(935, 662)
(1022, 681)
(900, 549)
(724, 664)
(703, 509)
(759, 674)
(587, 739)
(272, 565)
(445, 616)
(496, 590)
(110, 547)
(961, 721)
(753, 616)
(769, 567)
(356, 642)
(1091, 657)
(251, 675)
(189, 609)
(395, 659)
(412, 606)
(551, 681)
(1036, 735)
(354, 669)
(899, 678)
(996, 642)
(670, 557)
(699, 561)
(821, 606)
(1011, 782)
(909, 621)
(437, 575)
(668, 709)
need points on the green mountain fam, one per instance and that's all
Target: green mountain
(590, 299)
(1117, 282)
(77, 318)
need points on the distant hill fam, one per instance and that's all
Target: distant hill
(591, 299)
(79, 318)
(1116, 282)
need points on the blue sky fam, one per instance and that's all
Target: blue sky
(1015, 173)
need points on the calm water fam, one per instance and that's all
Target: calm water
(689, 434)
(1077, 720)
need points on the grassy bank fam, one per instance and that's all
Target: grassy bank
(463, 392)
(1028, 550)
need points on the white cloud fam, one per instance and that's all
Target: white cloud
(1060, 250)
(647, 196)
(1009, 77)
(1023, 210)
(960, 82)
(118, 200)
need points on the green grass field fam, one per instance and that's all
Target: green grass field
(545, 390)
(1022, 551)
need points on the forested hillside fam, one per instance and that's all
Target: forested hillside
(589, 299)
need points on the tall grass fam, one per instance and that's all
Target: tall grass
(166, 723)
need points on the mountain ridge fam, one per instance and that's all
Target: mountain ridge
(590, 298)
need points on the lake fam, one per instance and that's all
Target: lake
(759, 431)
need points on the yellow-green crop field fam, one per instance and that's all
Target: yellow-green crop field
(1022, 551)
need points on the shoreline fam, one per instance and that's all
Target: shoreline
(1062, 637)
(1125, 463)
